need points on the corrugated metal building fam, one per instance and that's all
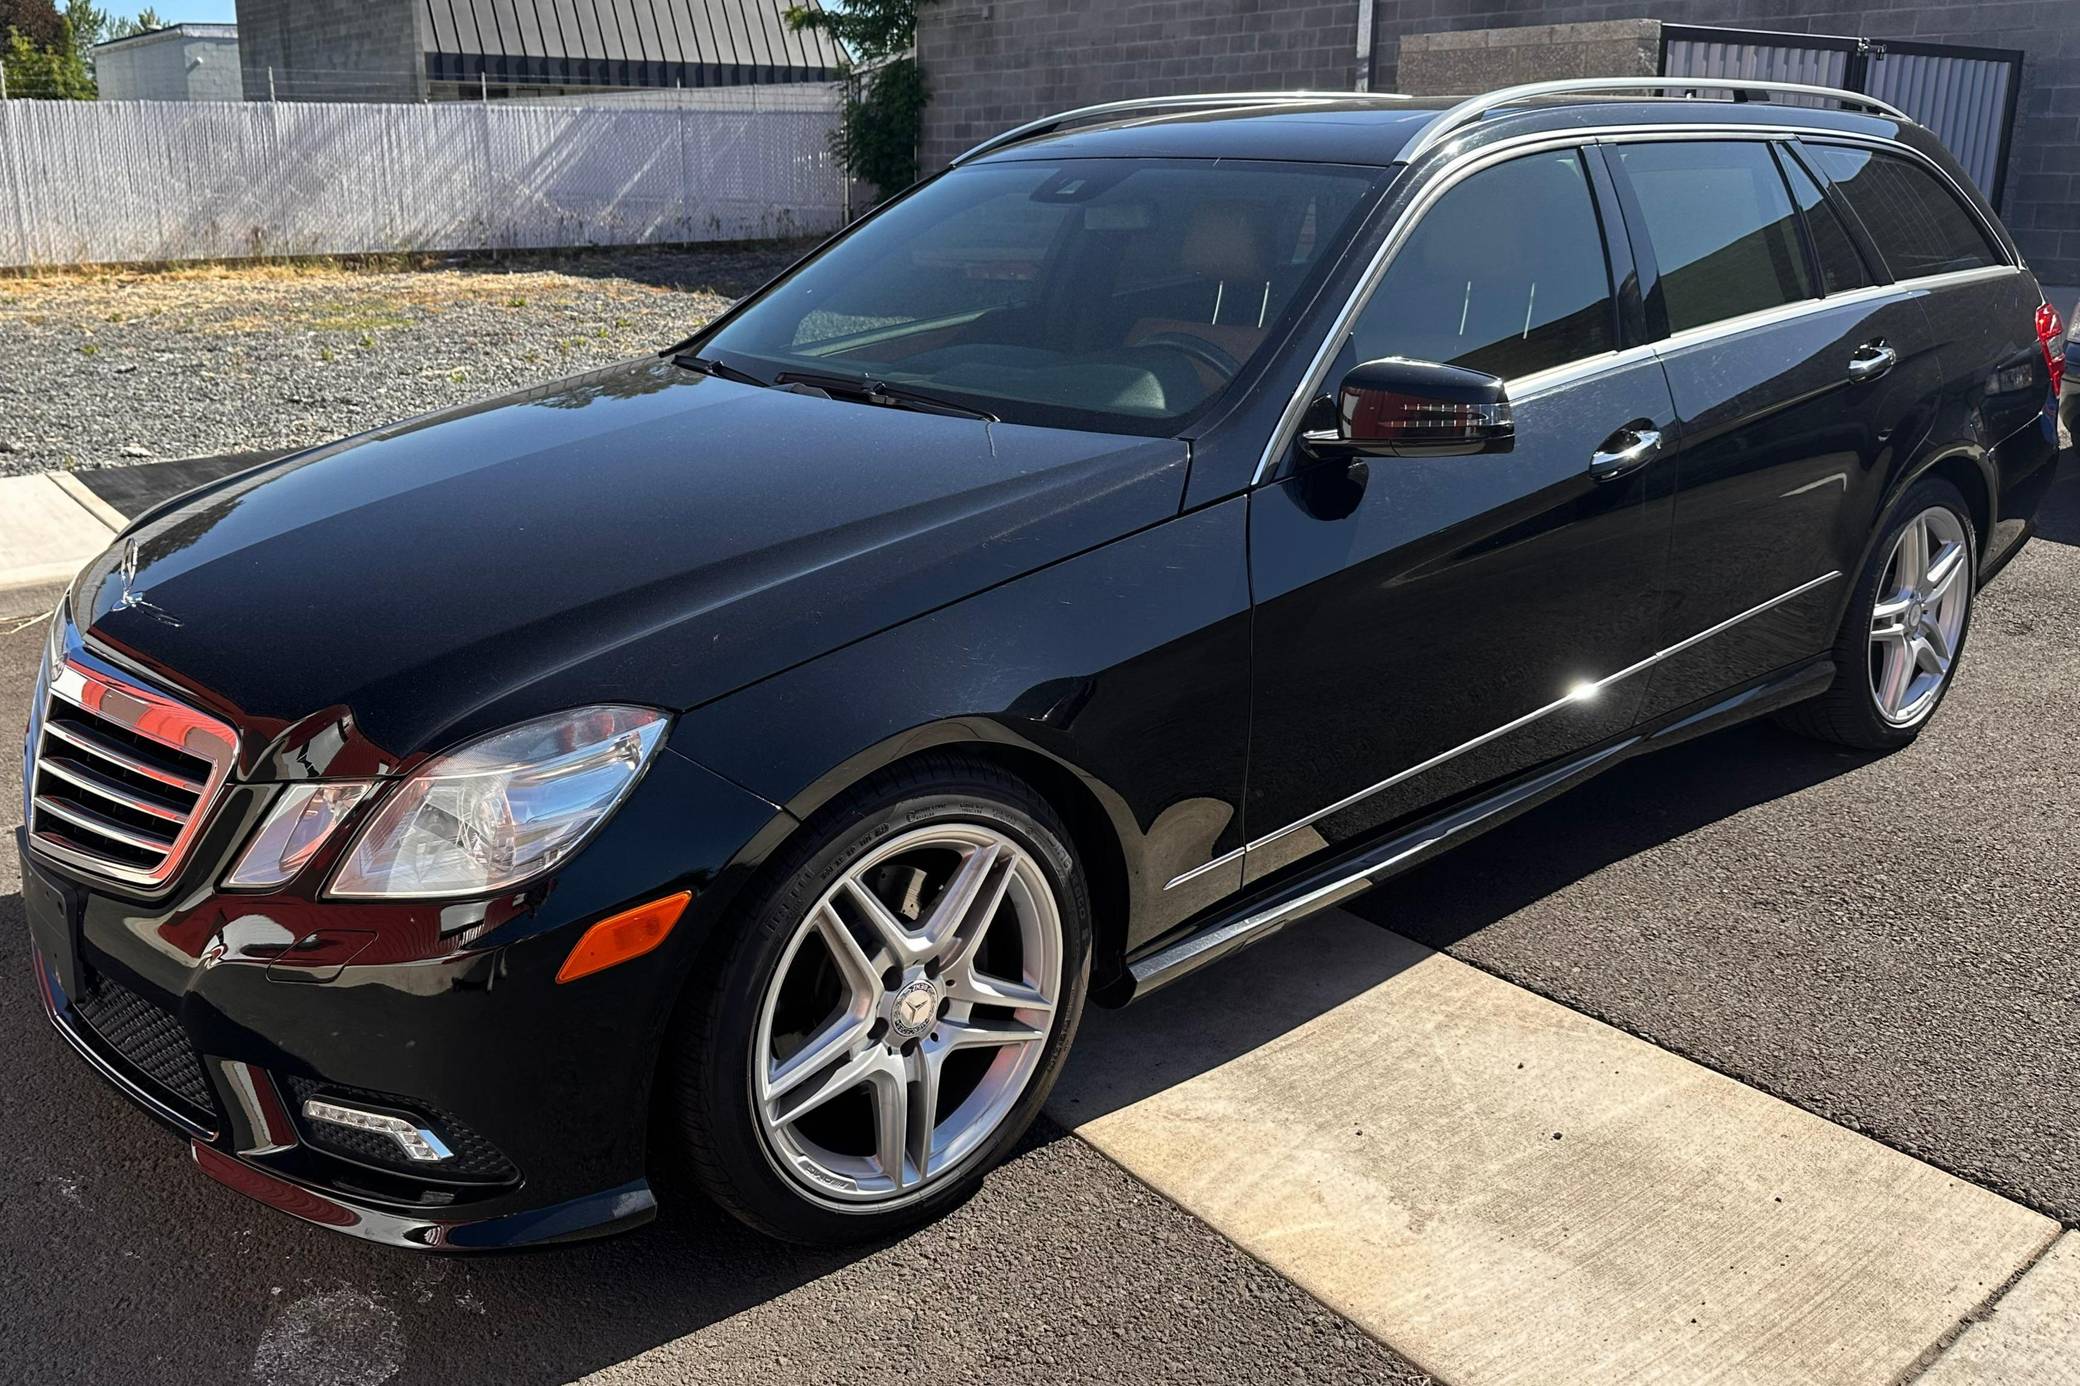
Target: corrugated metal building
(415, 50)
(183, 62)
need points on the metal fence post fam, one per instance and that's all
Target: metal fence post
(1362, 65)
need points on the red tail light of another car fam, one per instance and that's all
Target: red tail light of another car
(2051, 331)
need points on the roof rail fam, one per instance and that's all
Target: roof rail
(1161, 104)
(1471, 110)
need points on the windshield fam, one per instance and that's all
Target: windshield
(1116, 294)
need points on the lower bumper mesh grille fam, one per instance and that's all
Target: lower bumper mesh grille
(148, 1038)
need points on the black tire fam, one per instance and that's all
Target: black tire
(1847, 714)
(706, 1089)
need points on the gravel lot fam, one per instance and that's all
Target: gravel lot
(222, 359)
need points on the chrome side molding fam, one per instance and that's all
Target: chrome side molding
(1222, 935)
(1579, 693)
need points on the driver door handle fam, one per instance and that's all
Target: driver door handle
(1870, 361)
(1625, 452)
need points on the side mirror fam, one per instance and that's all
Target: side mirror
(1395, 407)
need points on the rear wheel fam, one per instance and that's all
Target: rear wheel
(1905, 629)
(893, 1013)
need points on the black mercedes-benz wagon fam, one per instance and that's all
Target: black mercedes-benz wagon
(1170, 521)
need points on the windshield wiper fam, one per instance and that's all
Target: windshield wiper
(720, 370)
(882, 393)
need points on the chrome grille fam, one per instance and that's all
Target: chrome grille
(123, 775)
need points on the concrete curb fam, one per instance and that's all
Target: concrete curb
(52, 527)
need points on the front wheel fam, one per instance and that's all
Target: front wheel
(1905, 628)
(894, 1011)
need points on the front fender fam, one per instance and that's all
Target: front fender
(1127, 666)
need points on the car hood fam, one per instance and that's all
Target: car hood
(640, 534)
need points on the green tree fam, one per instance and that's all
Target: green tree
(53, 72)
(35, 20)
(885, 94)
(89, 23)
(146, 21)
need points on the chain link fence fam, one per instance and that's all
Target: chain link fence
(120, 182)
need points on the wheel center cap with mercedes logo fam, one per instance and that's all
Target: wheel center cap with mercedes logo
(916, 1007)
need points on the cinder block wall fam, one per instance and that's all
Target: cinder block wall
(334, 50)
(1453, 62)
(169, 69)
(991, 64)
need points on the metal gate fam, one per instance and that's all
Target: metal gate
(1966, 96)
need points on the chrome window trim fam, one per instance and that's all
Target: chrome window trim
(1566, 372)
(1531, 386)
(1581, 693)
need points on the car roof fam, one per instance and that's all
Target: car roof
(1382, 130)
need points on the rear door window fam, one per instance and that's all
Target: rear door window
(1841, 267)
(1506, 274)
(1721, 226)
(1917, 223)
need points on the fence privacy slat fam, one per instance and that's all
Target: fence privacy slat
(84, 182)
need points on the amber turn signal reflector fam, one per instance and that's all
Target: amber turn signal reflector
(623, 936)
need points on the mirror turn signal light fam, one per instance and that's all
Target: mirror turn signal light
(620, 937)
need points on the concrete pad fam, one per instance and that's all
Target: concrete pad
(46, 535)
(1504, 1190)
(2033, 1338)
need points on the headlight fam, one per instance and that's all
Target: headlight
(503, 808)
(296, 827)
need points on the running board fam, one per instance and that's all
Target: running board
(1368, 866)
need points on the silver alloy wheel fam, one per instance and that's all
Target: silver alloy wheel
(1919, 616)
(887, 1050)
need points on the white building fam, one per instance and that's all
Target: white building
(185, 62)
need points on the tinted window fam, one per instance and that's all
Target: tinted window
(1918, 225)
(1841, 268)
(1722, 228)
(1102, 293)
(1505, 274)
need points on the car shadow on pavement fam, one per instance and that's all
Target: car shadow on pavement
(2058, 518)
(1637, 806)
(1232, 1008)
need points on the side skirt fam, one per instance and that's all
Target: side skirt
(1258, 916)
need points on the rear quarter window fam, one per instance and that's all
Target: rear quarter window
(1918, 224)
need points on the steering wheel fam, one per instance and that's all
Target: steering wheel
(1198, 348)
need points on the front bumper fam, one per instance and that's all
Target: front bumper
(221, 1013)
